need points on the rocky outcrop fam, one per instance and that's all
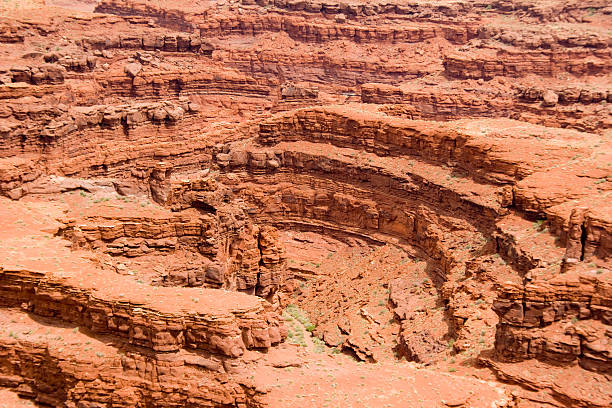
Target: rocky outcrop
(302, 29)
(584, 95)
(177, 83)
(347, 72)
(15, 172)
(563, 319)
(76, 63)
(564, 107)
(62, 365)
(170, 42)
(160, 326)
(16, 90)
(72, 139)
(272, 273)
(535, 37)
(418, 183)
(396, 137)
(298, 184)
(134, 339)
(171, 17)
(229, 251)
(489, 63)
(291, 144)
(10, 32)
(351, 10)
(62, 122)
(387, 136)
(37, 75)
(572, 11)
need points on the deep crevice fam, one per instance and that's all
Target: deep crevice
(583, 237)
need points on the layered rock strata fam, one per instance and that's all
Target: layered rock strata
(150, 178)
(583, 109)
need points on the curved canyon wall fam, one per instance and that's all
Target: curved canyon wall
(202, 198)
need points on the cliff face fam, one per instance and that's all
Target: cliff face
(582, 109)
(115, 334)
(563, 319)
(57, 375)
(235, 203)
(490, 63)
(362, 174)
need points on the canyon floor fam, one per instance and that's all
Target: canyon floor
(283, 203)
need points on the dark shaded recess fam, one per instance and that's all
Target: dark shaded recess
(204, 207)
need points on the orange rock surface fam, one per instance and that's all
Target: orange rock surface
(279, 203)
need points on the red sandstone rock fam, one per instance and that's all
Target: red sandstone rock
(448, 218)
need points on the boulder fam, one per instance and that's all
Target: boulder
(550, 98)
(132, 69)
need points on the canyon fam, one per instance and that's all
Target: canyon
(283, 203)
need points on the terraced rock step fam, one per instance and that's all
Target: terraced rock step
(75, 290)
(164, 323)
(404, 177)
(54, 364)
(502, 152)
(304, 30)
(528, 244)
(202, 81)
(570, 106)
(489, 63)
(198, 241)
(494, 150)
